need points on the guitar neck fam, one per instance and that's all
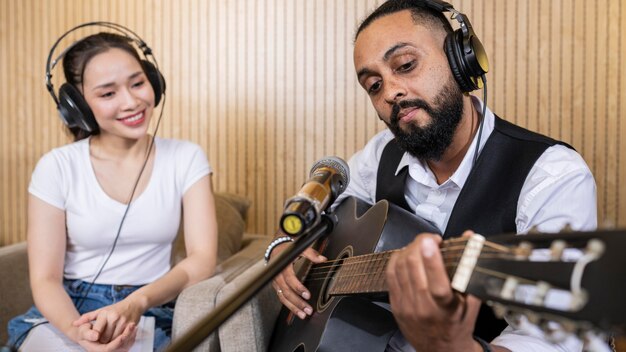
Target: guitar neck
(365, 274)
(361, 274)
(497, 271)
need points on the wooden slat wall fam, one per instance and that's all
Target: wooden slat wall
(267, 87)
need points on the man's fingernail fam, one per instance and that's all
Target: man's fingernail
(308, 310)
(306, 295)
(301, 315)
(429, 247)
(321, 257)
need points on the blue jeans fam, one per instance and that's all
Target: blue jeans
(99, 296)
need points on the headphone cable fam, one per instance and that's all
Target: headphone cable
(132, 194)
(482, 120)
(81, 300)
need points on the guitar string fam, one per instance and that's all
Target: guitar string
(315, 275)
(351, 262)
(447, 247)
(367, 258)
(443, 250)
(490, 250)
(382, 284)
(343, 272)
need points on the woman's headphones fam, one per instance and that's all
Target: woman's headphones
(71, 104)
(466, 54)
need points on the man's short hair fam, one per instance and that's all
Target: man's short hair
(420, 12)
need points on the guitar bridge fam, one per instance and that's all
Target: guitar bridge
(467, 263)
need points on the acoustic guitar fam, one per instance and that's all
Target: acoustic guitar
(349, 292)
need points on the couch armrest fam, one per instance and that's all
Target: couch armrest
(15, 292)
(196, 301)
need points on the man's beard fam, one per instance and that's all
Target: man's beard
(430, 142)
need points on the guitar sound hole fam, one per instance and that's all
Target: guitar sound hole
(324, 297)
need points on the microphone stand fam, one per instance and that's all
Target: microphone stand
(224, 310)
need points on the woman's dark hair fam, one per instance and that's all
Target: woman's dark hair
(79, 55)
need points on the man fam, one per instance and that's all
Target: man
(507, 180)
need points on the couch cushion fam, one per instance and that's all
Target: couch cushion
(240, 203)
(231, 211)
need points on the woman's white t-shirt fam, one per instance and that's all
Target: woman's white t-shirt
(65, 179)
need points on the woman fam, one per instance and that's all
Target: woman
(80, 208)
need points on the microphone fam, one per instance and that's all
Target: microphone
(328, 178)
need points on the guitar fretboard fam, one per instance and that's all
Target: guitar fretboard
(365, 274)
(361, 274)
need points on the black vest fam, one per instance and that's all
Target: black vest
(487, 203)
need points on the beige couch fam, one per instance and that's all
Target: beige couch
(15, 296)
(239, 260)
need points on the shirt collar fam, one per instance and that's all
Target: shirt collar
(426, 177)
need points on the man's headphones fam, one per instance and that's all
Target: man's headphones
(73, 108)
(466, 54)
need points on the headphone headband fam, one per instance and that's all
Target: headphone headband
(440, 6)
(466, 54)
(73, 109)
(127, 32)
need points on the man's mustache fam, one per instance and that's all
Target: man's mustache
(415, 103)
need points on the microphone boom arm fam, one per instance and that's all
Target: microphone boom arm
(224, 310)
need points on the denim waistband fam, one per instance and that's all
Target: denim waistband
(104, 293)
(111, 293)
(77, 283)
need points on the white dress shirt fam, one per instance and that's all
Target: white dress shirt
(559, 190)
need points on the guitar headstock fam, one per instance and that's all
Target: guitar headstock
(577, 279)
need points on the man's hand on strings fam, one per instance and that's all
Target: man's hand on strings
(430, 314)
(290, 291)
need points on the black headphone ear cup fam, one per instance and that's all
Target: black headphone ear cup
(156, 79)
(74, 110)
(456, 59)
(476, 59)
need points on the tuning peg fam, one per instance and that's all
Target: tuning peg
(571, 326)
(594, 341)
(516, 320)
(542, 288)
(556, 249)
(555, 332)
(567, 228)
(508, 288)
(534, 230)
(499, 310)
(579, 299)
(595, 247)
(523, 250)
(533, 318)
(521, 322)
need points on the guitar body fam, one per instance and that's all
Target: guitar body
(349, 323)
